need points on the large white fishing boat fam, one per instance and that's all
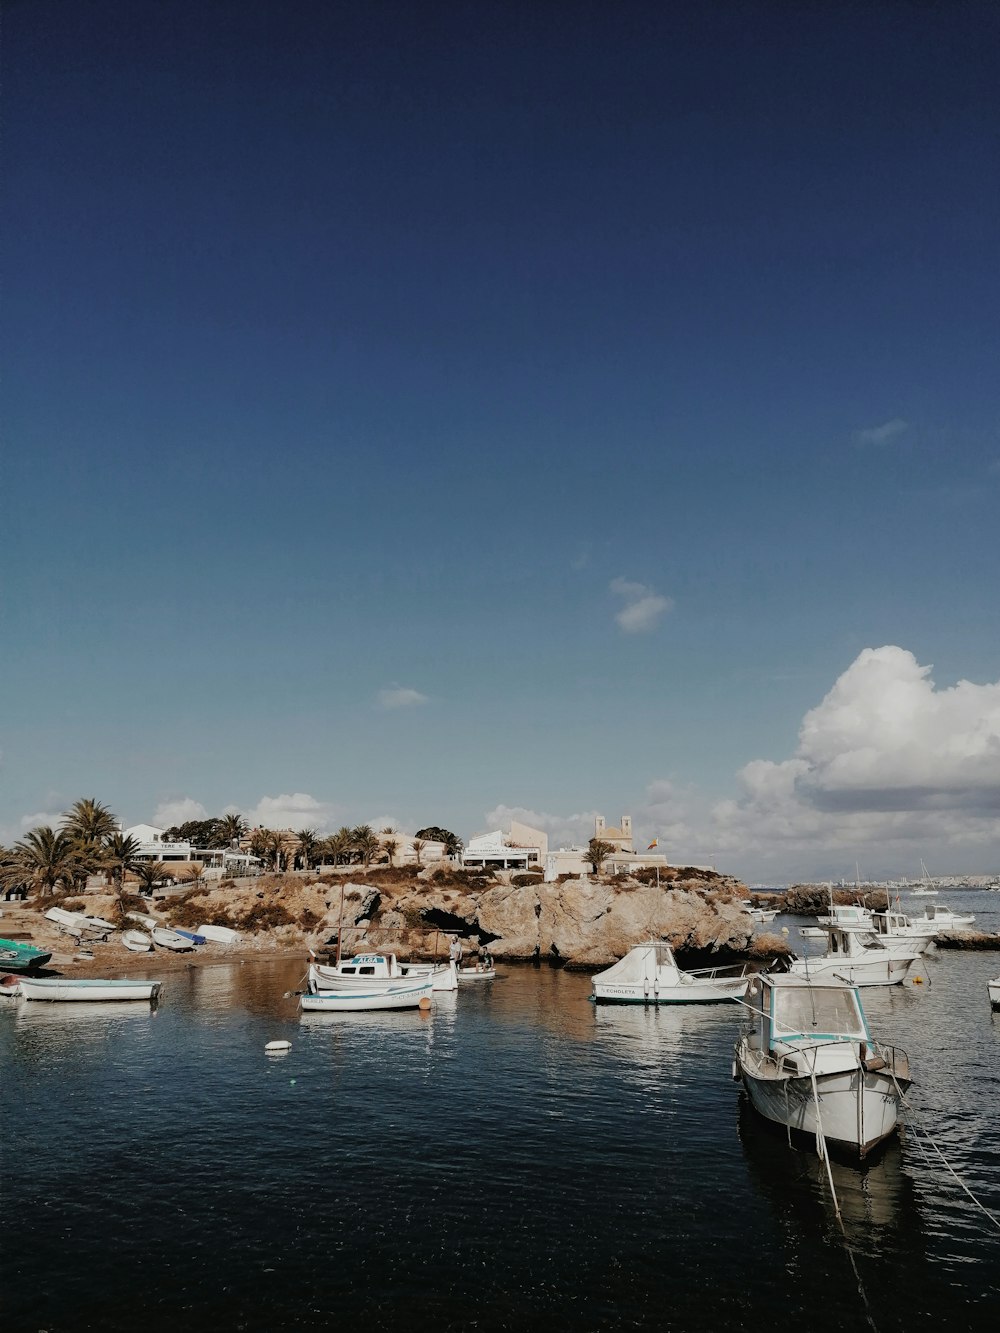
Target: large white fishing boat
(859, 958)
(937, 917)
(648, 974)
(808, 1061)
(359, 970)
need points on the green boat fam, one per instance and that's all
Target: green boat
(16, 957)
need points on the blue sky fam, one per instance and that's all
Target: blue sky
(605, 379)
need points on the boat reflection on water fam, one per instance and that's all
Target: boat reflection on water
(877, 1204)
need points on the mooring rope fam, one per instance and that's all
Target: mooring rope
(948, 1166)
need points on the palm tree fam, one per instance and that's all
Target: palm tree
(390, 846)
(365, 842)
(418, 849)
(275, 850)
(337, 846)
(194, 874)
(599, 852)
(232, 828)
(308, 843)
(149, 874)
(121, 854)
(44, 859)
(89, 821)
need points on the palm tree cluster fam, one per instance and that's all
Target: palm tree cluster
(87, 842)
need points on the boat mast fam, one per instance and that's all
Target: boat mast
(340, 927)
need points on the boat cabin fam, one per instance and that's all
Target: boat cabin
(890, 923)
(847, 914)
(789, 1012)
(371, 965)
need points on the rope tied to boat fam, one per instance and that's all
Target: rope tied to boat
(911, 1113)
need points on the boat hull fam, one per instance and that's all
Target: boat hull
(356, 1001)
(994, 990)
(477, 974)
(79, 991)
(137, 941)
(17, 957)
(698, 992)
(858, 1109)
(170, 939)
(885, 971)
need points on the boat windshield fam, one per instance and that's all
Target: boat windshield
(816, 1011)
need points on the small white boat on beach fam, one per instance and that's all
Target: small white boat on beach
(137, 941)
(79, 924)
(808, 1061)
(171, 939)
(859, 958)
(648, 974)
(219, 934)
(86, 991)
(993, 988)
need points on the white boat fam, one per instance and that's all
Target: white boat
(850, 916)
(169, 939)
(87, 991)
(807, 1060)
(148, 921)
(993, 987)
(762, 914)
(812, 932)
(219, 934)
(938, 917)
(893, 929)
(926, 889)
(648, 974)
(10, 987)
(477, 973)
(361, 971)
(79, 924)
(859, 958)
(137, 940)
(411, 993)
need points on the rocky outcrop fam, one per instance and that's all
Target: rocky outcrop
(580, 922)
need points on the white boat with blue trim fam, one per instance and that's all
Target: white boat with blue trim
(648, 974)
(808, 1061)
(365, 982)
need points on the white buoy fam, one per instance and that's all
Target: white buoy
(276, 1047)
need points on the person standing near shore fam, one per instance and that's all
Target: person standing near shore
(455, 951)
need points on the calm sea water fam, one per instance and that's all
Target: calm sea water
(517, 1159)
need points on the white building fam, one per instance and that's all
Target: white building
(154, 845)
(519, 848)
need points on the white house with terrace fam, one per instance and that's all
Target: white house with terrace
(154, 845)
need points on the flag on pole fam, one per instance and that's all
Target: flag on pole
(653, 844)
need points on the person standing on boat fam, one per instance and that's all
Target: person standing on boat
(455, 951)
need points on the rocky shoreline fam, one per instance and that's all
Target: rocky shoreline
(575, 922)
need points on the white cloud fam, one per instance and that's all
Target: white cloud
(643, 607)
(400, 696)
(889, 430)
(178, 810)
(887, 764)
(295, 810)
